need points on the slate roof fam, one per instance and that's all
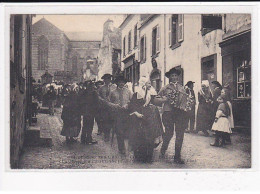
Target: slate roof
(43, 23)
(84, 36)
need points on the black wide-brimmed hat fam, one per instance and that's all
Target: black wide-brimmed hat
(120, 78)
(171, 71)
(217, 84)
(106, 76)
(189, 83)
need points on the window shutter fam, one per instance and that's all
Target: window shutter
(158, 44)
(170, 31)
(180, 28)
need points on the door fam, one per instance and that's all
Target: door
(209, 68)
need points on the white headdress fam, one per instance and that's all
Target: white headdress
(141, 90)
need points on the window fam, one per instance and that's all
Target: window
(210, 22)
(175, 30)
(243, 65)
(135, 36)
(129, 41)
(155, 47)
(143, 49)
(43, 47)
(124, 47)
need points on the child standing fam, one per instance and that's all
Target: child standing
(221, 125)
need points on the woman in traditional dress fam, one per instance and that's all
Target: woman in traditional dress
(221, 125)
(204, 112)
(71, 115)
(145, 126)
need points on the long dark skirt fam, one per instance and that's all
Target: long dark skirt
(71, 122)
(204, 117)
(143, 133)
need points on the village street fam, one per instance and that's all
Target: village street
(196, 152)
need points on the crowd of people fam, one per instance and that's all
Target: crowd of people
(134, 117)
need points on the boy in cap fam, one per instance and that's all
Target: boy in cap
(173, 118)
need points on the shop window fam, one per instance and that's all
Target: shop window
(43, 46)
(129, 41)
(243, 64)
(175, 30)
(132, 73)
(143, 49)
(135, 36)
(155, 47)
(210, 22)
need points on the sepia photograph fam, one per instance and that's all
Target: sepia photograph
(130, 91)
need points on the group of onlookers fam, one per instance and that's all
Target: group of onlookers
(214, 111)
(134, 117)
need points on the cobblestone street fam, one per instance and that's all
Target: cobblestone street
(196, 152)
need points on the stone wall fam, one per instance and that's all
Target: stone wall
(111, 40)
(236, 23)
(58, 46)
(19, 98)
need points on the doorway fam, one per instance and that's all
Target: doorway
(209, 68)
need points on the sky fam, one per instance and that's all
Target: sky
(79, 23)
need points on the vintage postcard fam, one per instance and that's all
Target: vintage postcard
(129, 87)
(130, 91)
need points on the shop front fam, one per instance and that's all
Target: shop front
(236, 69)
(132, 70)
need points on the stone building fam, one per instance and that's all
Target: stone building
(191, 46)
(83, 54)
(109, 56)
(236, 61)
(49, 49)
(20, 83)
(64, 55)
(130, 54)
(189, 42)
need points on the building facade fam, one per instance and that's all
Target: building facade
(71, 56)
(130, 52)
(202, 46)
(188, 42)
(109, 56)
(20, 83)
(49, 49)
(236, 60)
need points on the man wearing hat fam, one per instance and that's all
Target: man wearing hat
(121, 96)
(173, 118)
(88, 103)
(191, 114)
(106, 121)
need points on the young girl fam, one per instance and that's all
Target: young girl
(221, 125)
